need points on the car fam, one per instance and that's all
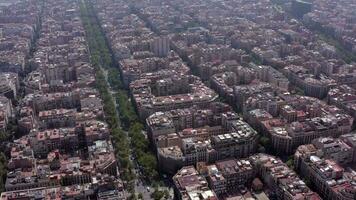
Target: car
(148, 189)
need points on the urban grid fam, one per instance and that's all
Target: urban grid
(178, 99)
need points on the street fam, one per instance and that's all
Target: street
(141, 187)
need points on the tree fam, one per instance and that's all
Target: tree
(157, 194)
(3, 136)
(290, 162)
(132, 197)
(114, 79)
(140, 196)
(307, 181)
(166, 194)
(265, 141)
(3, 171)
(149, 164)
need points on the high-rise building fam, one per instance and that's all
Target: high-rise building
(160, 46)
